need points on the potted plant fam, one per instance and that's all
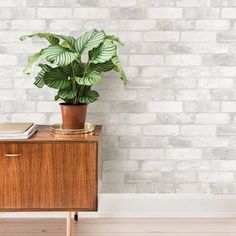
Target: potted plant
(72, 66)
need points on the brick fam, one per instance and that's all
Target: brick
(102, 24)
(113, 177)
(188, 177)
(198, 12)
(8, 60)
(165, 13)
(216, 83)
(124, 130)
(198, 130)
(156, 94)
(28, 25)
(98, 107)
(140, 25)
(160, 166)
(12, 94)
(196, 71)
(65, 25)
(224, 165)
(228, 13)
(198, 36)
(55, 12)
(193, 95)
(146, 153)
(176, 24)
(23, 12)
(202, 48)
(185, 153)
(228, 36)
(164, 3)
(163, 107)
(228, 106)
(193, 3)
(113, 165)
(128, 106)
(219, 59)
(220, 153)
(224, 71)
(91, 13)
(215, 118)
(193, 188)
(38, 118)
(146, 60)
(157, 72)
(119, 188)
(142, 177)
(224, 94)
(134, 141)
(183, 60)
(13, 3)
(48, 106)
(223, 2)
(52, 3)
(118, 95)
(139, 118)
(194, 165)
(201, 106)
(17, 106)
(179, 118)
(161, 130)
(128, 12)
(212, 25)
(155, 187)
(216, 177)
(161, 36)
(227, 130)
(179, 83)
(203, 142)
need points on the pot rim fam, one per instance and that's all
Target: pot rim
(72, 105)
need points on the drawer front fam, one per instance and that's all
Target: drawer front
(48, 176)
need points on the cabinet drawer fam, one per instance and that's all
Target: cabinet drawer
(48, 176)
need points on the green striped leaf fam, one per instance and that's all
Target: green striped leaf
(39, 79)
(33, 60)
(52, 38)
(118, 68)
(69, 42)
(103, 67)
(89, 40)
(103, 53)
(115, 39)
(67, 93)
(89, 97)
(92, 79)
(56, 78)
(58, 55)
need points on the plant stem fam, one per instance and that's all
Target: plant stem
(85, 72)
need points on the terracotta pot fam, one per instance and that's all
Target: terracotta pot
(73, 116)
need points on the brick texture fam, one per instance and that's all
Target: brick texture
(172, 129)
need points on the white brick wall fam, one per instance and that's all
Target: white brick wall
(173, 127)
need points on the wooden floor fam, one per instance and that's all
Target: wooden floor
(120, 227)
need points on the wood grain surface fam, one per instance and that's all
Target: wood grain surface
(49, 175)
(119, 227)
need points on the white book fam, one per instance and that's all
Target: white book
(19, 136)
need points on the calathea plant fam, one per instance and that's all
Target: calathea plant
(63, 65)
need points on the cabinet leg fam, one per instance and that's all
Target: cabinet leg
(76, 216)
(69, 225)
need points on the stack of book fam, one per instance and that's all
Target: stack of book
(17, 130)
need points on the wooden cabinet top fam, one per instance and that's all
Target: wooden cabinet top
(43, 134)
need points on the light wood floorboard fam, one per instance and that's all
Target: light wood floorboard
(119, 227)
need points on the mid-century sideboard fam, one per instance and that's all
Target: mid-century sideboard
(48, 174)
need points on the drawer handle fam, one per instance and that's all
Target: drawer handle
(12, 155)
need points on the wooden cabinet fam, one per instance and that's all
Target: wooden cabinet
(48, 174)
